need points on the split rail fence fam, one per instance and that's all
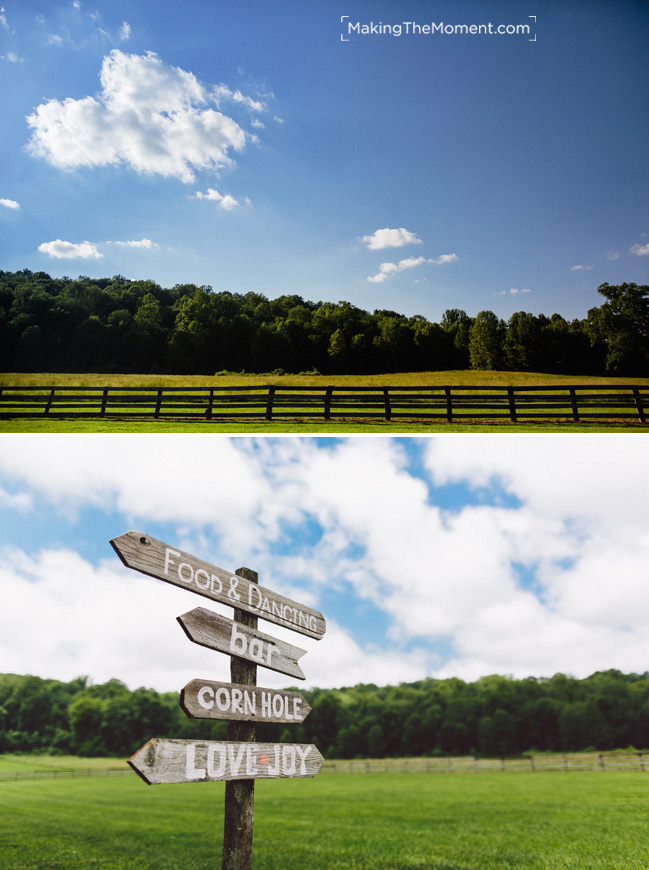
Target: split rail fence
(453, 404)
(572, 762)
(568, 763)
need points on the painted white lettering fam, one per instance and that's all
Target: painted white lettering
(256, 649)
(222, 699)
(288, 760)
(216, 585)
(274, 770)
(203, 694)
(251, 759)
(303, 752)
(265, 605)
(235, 756)
(191, 572)
(271, 650)
(238, 642)
(232, 591)
(168, 560)
(237, 695)
(297, 703)
(215, 771)
(192, 771)
(207, 578)
(278, 706)
(253, 591)
(249, 703)
(287, 715)
(266, 704)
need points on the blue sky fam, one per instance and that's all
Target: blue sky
(427, 557)
(263, 146)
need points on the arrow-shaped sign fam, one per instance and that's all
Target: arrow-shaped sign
(163, 761)
(204, 699)
(209, 629)
(157, 559)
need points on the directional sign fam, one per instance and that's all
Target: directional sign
(204, 699)
(164, 761)
(209, 629)
(152, 557)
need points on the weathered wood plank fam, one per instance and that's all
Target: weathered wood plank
(205, 699)
(214, 631)
(157, 559)
(162, 761)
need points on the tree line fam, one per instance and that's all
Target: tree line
(493, 716)
(125, 326)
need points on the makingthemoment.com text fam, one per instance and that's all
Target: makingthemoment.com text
(412, 28)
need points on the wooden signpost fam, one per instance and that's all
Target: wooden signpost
(239, 760)
(165, 761)
(157, 559)
(216, 632)
(204, 699)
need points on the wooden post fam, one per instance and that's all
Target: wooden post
(240, 794)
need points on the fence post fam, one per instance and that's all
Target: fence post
(638, 404)
(104, 399)
(601, 762)
(327, 403)
(449, 405)
(157, 405)
(573, 405)
(269, 403)
(388, 407)
(641, 758)
(565, 763)
(208, 412)
(49, 401)
(240, 794)
(512, 404)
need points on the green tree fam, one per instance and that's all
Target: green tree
(486, 342)
(621, 325)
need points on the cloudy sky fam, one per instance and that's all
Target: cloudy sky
(304, 147)
(445, 556)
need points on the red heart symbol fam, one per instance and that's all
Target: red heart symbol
(264, 759)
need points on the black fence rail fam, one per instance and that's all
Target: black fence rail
(567, 762)
(62, 773)
(452, 404)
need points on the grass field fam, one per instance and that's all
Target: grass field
(413, 379)
(554, 821)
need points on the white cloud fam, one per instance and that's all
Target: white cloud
(542, 571)
(3, 17)
(70, 251)
(9, 203)
(125, 31)
(259, 125)
(226, 201)
(12, 57)
(387, 238)
(612, 255)
(640, 250)
(581, 268)
(143, 243)
(387, 269)
(149, 116)
(513, 291)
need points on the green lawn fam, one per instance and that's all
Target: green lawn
(310, 426)
(554, 821)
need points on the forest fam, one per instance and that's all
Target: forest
(119, 325)
(493, 716)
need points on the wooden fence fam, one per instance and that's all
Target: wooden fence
(579, 761)
(451, 404)
(574, 762)
(62, 773)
